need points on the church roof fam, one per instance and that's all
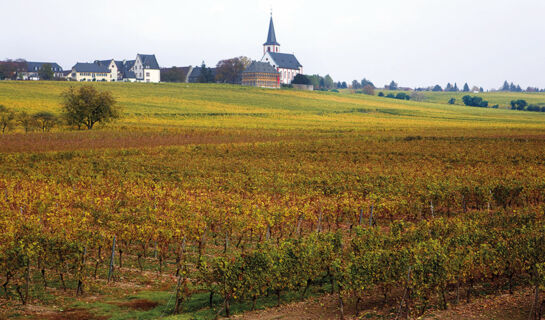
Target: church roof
(285, 60)
(260, 67)
(271, 37)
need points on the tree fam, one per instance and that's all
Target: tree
(301, 79)
(449, 87)
(455, 89)
(403, 96)
(174, 74)
(417, 96)
(26, 121)
(315, 81)
(45, 72)
(344, 85)
(392, 86)
(6, 118)
(381, 94)
(366, 82)
(230, 70)
(368, 89)
(466, 87)
(452, 101)
(9, 68)
(45, 120)
(505, 86)
(518, 104)
(437, 88)
(206, 75)
(86, 106)
(328, 82)
(475, 101)
(355, 84)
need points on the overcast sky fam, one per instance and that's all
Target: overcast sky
(414, 42)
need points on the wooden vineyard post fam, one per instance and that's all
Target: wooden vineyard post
(319, 227)
(432, 209)
(111, 270)
(361, 216)
(371, 219)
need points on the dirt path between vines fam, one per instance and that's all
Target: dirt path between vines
(499, 307)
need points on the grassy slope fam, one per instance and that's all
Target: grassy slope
(196, 105)
(502, 99)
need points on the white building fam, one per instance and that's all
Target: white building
(146, 68)
(286, 64)
(90, 72)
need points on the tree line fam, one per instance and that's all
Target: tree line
(82, 107)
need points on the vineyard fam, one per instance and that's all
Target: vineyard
(214, 202)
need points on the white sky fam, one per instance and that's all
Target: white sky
(414, 42)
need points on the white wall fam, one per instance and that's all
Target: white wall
(152, 75)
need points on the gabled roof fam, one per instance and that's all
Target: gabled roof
(285, 60)
(129, 64)
(260, 67)
(35, 66)
(90, 67)
(103, 62)
(271, 36)
(148, 61)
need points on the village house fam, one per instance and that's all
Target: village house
(32, 71)
(261, 74)
(143, 69)
(146, 68)
(286, 64)
(90, 72)
(119, 70)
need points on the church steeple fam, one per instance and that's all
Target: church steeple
(271, 45)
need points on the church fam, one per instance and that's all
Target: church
(286, 64)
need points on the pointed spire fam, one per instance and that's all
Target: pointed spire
(271, 37)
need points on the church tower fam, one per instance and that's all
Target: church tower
(271, 45)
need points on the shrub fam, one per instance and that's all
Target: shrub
(301, 79)
(518, 104)
(381, 94)
(369, 90)
(534, 108)
(403, 96)
(475, 101)
(452, 101)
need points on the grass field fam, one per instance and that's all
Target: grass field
(502, 99)
(195, 181)
(224, 106)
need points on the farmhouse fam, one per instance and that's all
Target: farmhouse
(261, 74)
(286, 64)
(32, 71)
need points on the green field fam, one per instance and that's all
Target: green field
(201, 105)
(502, 99)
